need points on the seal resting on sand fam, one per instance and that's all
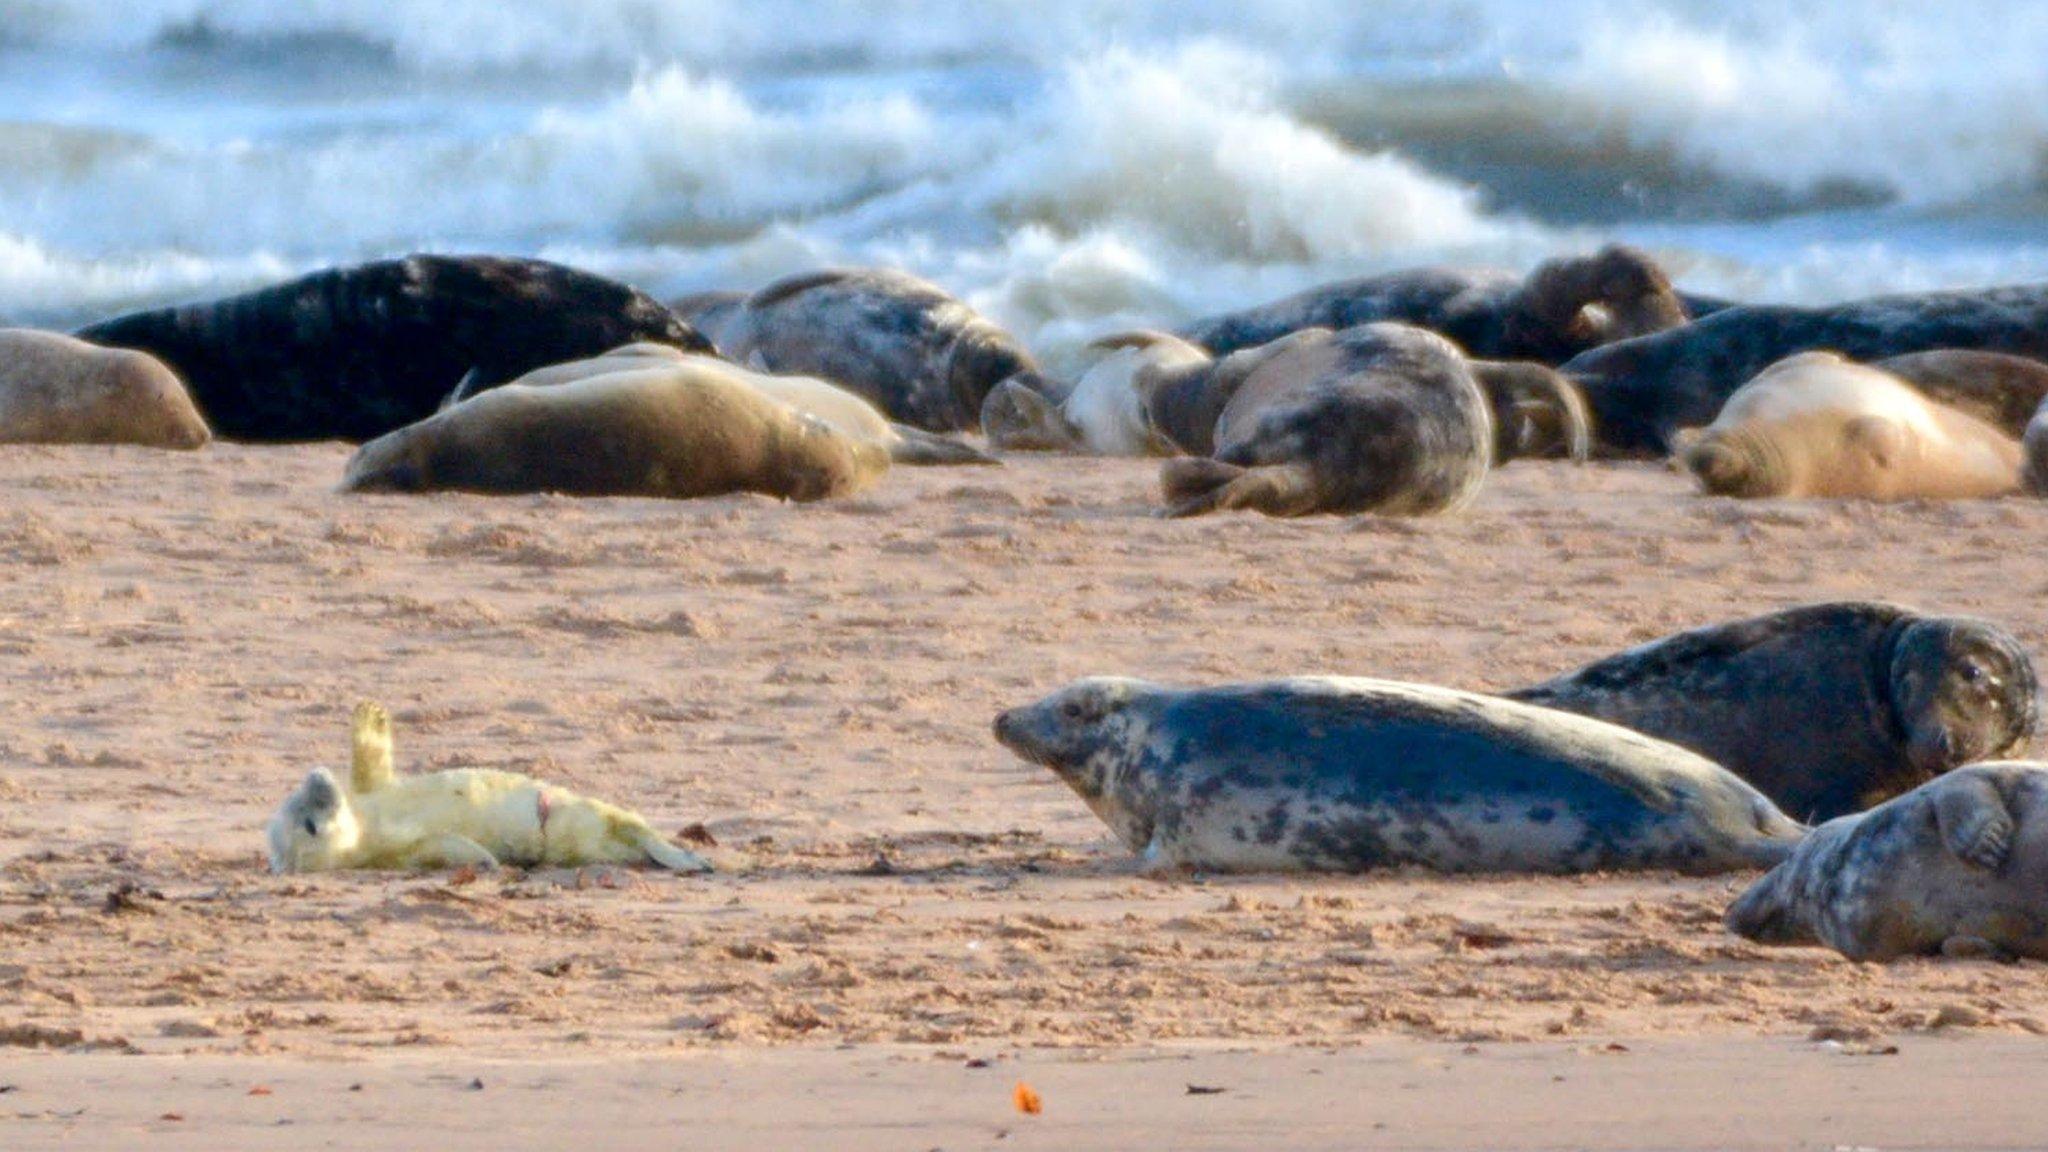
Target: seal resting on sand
(470, 816)
(679, 431)
(1957, 867)
(1825, 708)
(1342, 775)
(1380, 418)
(57, 389)
(1562, 308)
(352, 353)
(922, 356)
(1817, 425)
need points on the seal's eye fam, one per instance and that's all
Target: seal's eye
(312, 829)
(1973, 673)
(1071, 710)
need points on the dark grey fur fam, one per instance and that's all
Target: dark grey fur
(1379, 418)
(1561, 309)
(1345, 775)
(1957, 867)
(923, 356)
(1643, 390)
(1826, 708)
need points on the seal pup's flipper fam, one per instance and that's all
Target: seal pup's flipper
(1976, 825)
(919, 447)
(668, 855)
(370, 767)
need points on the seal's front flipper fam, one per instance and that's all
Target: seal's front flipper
(370, 734)
(918, 447)
(1975, 948)
(1974, 821)
(449, 850)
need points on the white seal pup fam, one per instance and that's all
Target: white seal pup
(1342, 775)
(58, 389)
(1816, 425)
(1956, 867)
(679, 431)
(469, 816)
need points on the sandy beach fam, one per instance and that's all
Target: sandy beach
(805, 693)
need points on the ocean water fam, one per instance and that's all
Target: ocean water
(1070, 166)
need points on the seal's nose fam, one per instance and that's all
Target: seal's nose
(1006, 726)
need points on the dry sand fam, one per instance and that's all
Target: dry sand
(182, 637)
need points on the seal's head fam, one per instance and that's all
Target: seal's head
(1732, 462)
(1775, 909)
(1963, 690)
(1568, 306)
(1090, 734)
(314, 828)
(400, 461)
(1537, 413)
(1019, 418)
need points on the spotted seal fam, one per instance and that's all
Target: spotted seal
(678, 431)
(1956, 867)
(1560, 309)
(1643, 390)
(1816, 425)
(921, 355)
(352, 353)
(1825, 708)
(1343, 775)
(57, 389)
(1381, 418)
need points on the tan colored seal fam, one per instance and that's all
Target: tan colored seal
(58, 389)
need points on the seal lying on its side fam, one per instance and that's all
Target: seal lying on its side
(1645, 389)
(1561, 309)
(57, 389)
(1825, 708)
(1956, 867)
(1816, 425)
(843, 410)
(1380, 418)
(921, 355)
(469, 816)
(352, 353)
(679, 431)
(1342, 775)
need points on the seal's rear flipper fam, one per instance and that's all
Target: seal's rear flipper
(1198, 486)
(919, 447)
(472, 382)
(370, 766)
(669, 856)
(1975, 823)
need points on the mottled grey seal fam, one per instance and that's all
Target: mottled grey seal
(2034, 450)
(352, 353)
(1825, 708)
(1537, 413)
(678, 431)
(1643, 390)
(1559, 310)
(1998, 388)
(1380, 418)
(924, 357)
(57, 389)
(1337, 774)
(1956, 867)
(1815, 425)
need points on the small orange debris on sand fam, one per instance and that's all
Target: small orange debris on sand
(1027, 1100)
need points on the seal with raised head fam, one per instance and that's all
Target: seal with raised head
(920, 354)
(1342, 775)
(1816, 425)
(843, 410)
(57, 389)
(1825, 708)
(1560, 309)
(469, 816)
(1643, 390)
(1957, 867)
(352, 353)
(679, 431)
(1380, 418)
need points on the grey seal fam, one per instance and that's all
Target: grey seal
(1342, 775)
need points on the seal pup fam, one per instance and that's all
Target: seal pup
(1957, 867)
(352, 353)
(922, 356)
(1643, 390)
(843, 410)
(470, 816)
(1560, 309)
(1340, 775)
(676, 431)
(1116, 407)
(57, 389)
(1825, 708)
(1380, 418)
(1815, 425)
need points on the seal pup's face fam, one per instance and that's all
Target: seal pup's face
(1729, 462)
(1963, 691)
(1020, 419)
(315, 828)
(1088, 734)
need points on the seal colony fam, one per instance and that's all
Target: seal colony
(1342, 775)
